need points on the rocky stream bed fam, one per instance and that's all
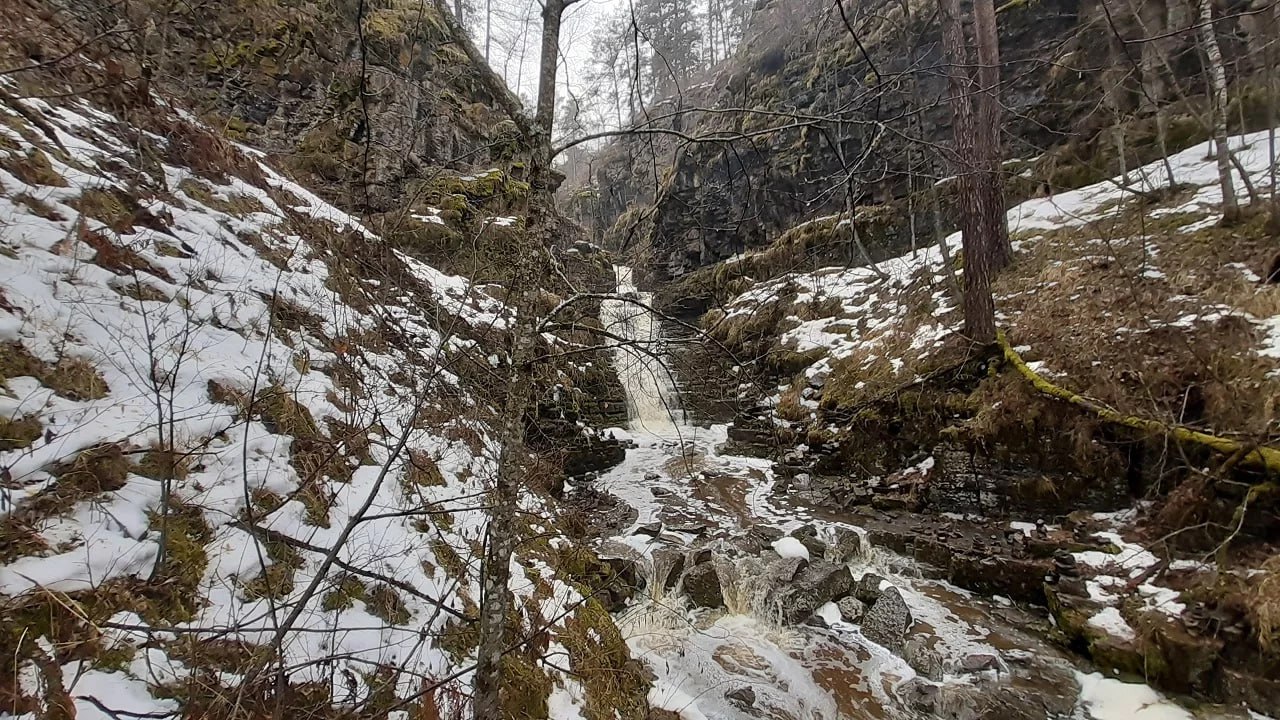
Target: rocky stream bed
(748, 603)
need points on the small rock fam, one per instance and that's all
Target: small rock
(743, 697)
(868, 590)
(652, 529)
(651, 476)
(851, 609)
(978, 662)
(920, 694)
(659, 491)
(887, 621)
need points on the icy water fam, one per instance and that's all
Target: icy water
(739, 663)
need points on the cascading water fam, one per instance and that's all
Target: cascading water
(651, 398)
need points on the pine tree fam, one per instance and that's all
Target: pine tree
(671, 29)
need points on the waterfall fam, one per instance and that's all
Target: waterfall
(651, 398)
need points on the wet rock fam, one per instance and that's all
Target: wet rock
(702, 586)
(744, 698)
(845, 545)
(669, 563)
(660, 492)
(816, 548)
(922, 655)
(868, 589)
(696, 529)
(919, 694)
(652, 529)
(851, 609)
(979, 662)
(887, 621)
(651, 476)
(816, 584)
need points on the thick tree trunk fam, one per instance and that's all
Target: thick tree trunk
(1218, 89)
(995, 226)
(979, 308)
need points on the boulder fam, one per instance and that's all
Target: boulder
(815, 584)
(868, 588)
(887, 621)
(979, 662)
(652, 529)
(702, 586)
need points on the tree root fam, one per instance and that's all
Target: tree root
(1258, 456)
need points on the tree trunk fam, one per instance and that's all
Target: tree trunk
(503, 531)
(1218, 87)
(995, 226)
(979, 308)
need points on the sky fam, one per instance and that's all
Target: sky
(517, 35)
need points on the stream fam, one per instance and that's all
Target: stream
(972, 656)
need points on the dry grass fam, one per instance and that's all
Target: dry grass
(32, 168)
(110, 207)
(119, 259)
(38, 207)
(76, 379)
(99, 469)
(18, 432)
(276, 581)
(1158, 344)
(1264, 606)
(384, 602)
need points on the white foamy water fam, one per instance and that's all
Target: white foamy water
(651, 399)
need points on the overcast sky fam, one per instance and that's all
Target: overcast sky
(517, 37)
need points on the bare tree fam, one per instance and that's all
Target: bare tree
(1217, 74)
(976, 199)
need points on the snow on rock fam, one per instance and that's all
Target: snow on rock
(790, 547)
(1107, 699)
(1110, 621)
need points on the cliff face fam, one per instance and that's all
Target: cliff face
(820, 105)
(286, 77)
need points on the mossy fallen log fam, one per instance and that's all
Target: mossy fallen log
(1259, 456)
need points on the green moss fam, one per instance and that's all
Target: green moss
(616, 685)
(459, 638)
(525, 687)
(178, 583)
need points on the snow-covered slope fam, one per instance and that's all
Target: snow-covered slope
(1133, 278)
(233, 429)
